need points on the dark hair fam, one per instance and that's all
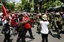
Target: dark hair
(20, 17)
(43, 19)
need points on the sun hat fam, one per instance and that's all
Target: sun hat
(57, 13)
(44, 17)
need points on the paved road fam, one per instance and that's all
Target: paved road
(37, 37)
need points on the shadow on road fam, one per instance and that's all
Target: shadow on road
(38, 32)
(56, 36)
(27, 36)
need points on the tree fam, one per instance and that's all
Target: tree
(51, 4)
(0, 1)
(19, 6)
(26, 5)
(10, 6)
(47, 5)
(0, 8)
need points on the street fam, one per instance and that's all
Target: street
(36, 35)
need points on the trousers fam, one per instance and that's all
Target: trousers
(7, 38)
(30, 32)
(21, 36)
(44, 37)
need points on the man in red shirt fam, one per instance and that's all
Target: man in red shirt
(28, 25)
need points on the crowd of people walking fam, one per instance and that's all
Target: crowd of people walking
(21, 22)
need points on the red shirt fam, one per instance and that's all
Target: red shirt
(13, 22)
(27, 25)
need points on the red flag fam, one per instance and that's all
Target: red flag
(4, 10)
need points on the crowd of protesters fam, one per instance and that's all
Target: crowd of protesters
(21, 22)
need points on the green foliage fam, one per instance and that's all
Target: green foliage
(24, 1)
(51, 4)
(0, 7)
(24, 5)
(27, 6)
(19, 6)
(57, 3)
(0, 1)
(47, 4)
(10, 6)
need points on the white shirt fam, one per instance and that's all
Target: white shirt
(44, 27)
